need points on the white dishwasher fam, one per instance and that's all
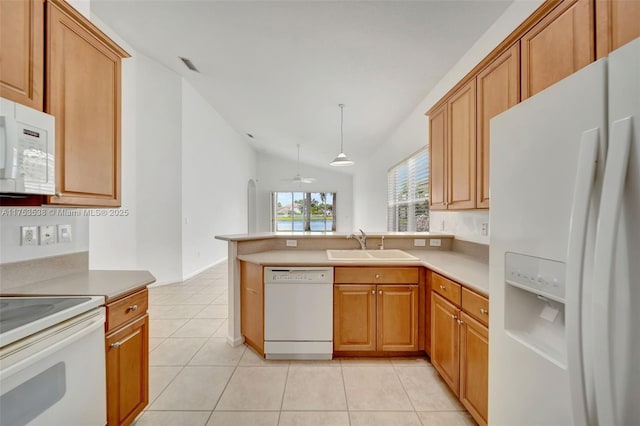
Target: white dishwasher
(298, 312)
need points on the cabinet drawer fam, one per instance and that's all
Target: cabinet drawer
(367, 275)
(126, 309)
(475, 305)
(446, 288)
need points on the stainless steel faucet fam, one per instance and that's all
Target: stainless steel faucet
(362, 239)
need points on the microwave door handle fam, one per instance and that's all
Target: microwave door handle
(9, 147)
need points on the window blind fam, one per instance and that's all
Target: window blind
(408, 194)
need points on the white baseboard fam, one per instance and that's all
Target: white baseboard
(204, 268)
(235, 342)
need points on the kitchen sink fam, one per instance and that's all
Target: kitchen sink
(369, 255)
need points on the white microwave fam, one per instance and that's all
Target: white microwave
(27, 150)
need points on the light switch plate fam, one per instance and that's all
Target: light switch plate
(64, 234)
(29, 235)
(435, 242)
(47, 235)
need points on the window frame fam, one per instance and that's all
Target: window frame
(417, 182)
(306, 211)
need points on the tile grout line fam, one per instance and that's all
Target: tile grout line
(344, 389)
(284, 391)
(395, 370)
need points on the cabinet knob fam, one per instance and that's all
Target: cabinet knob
(373, 292)
(58, 194)
(380, 292)
(115, 345)
(133, 308)
(377, 276)
(453, 317)
(443, 288)
(460, 322)
(484, 311)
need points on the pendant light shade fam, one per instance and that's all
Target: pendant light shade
(341, 159)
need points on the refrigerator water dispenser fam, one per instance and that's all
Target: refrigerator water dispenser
(534, 305)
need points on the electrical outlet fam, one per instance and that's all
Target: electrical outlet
(292, 243)
(419, 242)
(47, 235)
(435, 242)
(64, 234)
(29, 235)
(485, 229)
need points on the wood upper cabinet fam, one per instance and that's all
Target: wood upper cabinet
(445, 340)
(397, 318)
(474, 367)
(354, 317)
(617, 23)
(438, 158)
(452, 147)
(127, 357)
(22, 52)
(557, 46)
(252, 305)
(498, 90)
(461, 171)
(83, 93)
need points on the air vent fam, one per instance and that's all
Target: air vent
(189, 64)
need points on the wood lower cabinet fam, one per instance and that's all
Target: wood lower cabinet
(83, 93)
(445, 341)
(127, 358)
(557, 46)
(617, 23)
(252, 305)
(22, 52)
(460, 343)
(474, 367)
(377, 309)
(354, 317)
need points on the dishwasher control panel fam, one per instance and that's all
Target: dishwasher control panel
(298, 274)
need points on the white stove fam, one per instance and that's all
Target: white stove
(51, 357)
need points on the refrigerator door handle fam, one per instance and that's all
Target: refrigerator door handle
(575, 261)
(610, 208)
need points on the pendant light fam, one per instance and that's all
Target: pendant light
(341, 159)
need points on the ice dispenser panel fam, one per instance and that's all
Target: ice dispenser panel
(534, 305)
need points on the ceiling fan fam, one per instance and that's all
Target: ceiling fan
(298, 178)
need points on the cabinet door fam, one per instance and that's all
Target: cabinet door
(617, 23)
(22, 52)
(498, 90)
(461, 153)
(252, 305)
(127, 372)
(83, 93)
(438, 159)
(474, 367)
(559, 45)
(445, 343)
(397, 318)
(354, 317)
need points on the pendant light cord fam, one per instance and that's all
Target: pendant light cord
(341, 127)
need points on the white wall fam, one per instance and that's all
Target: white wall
(217, 163)
(12, 218)
(271, 171)
(370, 184)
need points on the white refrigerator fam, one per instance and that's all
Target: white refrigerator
(564, 334)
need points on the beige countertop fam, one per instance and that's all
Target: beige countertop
(285, 235)
(110, 284)
(459, 267)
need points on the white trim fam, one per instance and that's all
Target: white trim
(204, 268)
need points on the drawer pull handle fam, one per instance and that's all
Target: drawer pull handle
(115, 345)
(443, 288)
(484, 311)
(133, 308)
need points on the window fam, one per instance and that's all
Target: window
(303, 211)
(408, 194)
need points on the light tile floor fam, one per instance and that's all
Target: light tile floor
(196, 378)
